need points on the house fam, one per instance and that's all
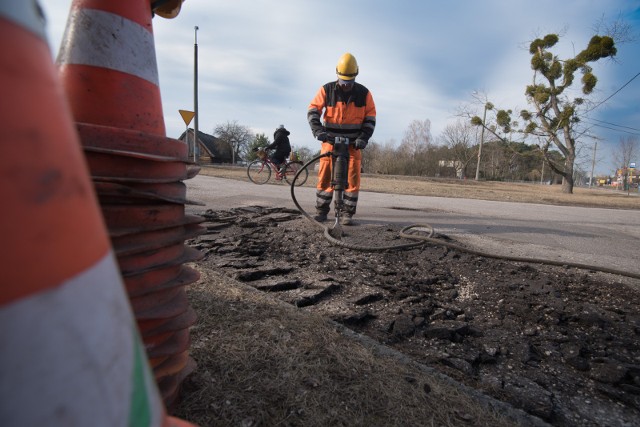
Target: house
(209, 148)
(450, 168)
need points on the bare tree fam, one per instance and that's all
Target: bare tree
(624, 155)
(415, 147)
(369, 156)
(626, 151)
(460, 138)
(417, 135)
(237, 136)
(621, 31)
(304, 153)
(588, 156)
(381, 158)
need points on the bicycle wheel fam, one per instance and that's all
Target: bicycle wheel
(291, 171)
(258, 172)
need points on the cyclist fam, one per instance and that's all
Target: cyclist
(349, 111)
(281, 145)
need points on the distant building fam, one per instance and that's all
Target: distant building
(627, 178)
(450, 169)
(209, 149)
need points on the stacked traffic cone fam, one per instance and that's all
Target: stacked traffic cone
(108, 69)
(71, 353)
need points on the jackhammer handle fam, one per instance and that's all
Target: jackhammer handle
(332, 140)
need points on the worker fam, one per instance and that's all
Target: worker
(349, 111)
(281, 146)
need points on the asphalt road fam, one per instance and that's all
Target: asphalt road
(608, 238)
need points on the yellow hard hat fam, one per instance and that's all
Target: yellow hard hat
(347, 68)
(166, 8)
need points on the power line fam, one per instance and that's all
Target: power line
(611, 96)
(611, 124)
(617, 130)
(602, 123)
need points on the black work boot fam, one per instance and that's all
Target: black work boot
(346, 219)
(320, 216)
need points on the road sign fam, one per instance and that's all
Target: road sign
(632, 165)
(187, 116)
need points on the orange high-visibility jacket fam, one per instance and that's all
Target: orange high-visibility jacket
(349, 114)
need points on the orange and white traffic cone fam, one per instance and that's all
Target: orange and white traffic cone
(107, 64)
(71, 354)
(108, 69)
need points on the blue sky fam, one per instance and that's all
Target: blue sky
(261, 61)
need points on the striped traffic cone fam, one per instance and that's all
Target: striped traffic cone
(71, 354)
(108, 69)
(108, 56)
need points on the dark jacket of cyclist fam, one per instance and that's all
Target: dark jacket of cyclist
(349, 111)
(281, 145)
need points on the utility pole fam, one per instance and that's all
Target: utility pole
(484, 119)
(593, 162)
(195, 90)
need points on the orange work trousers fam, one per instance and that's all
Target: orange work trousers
(324, 191)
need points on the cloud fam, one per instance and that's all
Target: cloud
(261, 62)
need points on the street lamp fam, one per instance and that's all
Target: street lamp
(195, 90)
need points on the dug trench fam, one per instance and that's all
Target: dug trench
(560, 343)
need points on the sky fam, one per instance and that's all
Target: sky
(260, 62)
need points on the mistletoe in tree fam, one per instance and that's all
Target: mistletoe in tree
(555, 114)
(554, 117)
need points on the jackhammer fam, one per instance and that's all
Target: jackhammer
(339, 180)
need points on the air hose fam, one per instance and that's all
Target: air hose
(342, 243)
(409, 232)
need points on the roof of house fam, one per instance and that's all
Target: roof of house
(216, 147)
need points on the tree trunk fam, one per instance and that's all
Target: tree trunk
(567, 177)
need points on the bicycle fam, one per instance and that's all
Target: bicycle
(259, 171)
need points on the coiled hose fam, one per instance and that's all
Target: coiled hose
(409, 232)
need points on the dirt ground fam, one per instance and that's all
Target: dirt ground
(553, 345)
(558, 343)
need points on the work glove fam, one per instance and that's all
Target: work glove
(360, 144)
(322, 136)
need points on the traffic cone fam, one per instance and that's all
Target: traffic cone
(108, 69)
(108, 55)
(71, 354)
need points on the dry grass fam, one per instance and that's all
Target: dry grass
(471, 189)
(264, 363)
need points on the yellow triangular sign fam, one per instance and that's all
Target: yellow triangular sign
(187, 116)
